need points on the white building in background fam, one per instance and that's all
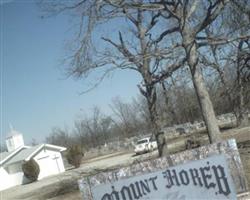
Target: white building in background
(47, 156)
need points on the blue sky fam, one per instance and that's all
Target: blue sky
(35, 96)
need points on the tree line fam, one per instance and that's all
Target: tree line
(177, 104)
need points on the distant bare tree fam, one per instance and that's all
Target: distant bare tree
(95, 129)
(177, 100)
(140, 107)
(126, 116)
(34, 142)
(3, 147)
(106, 125)
(60, 137)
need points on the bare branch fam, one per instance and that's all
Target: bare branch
(153, 22)
(221, 41)
(165, 33)
(169, 71)
(130, 17)
(122, 49)
(143, 92)
(192, 9)
(212, 13)
(135, 5)
(97, 83)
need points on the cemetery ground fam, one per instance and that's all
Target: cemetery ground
(64, 186)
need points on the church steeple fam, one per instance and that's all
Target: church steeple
(14, 139)
(11, 127)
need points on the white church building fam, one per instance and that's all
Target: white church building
(47, 156)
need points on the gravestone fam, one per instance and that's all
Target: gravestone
(204, 173)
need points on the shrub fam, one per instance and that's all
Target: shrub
(74, 155)
(31, 169)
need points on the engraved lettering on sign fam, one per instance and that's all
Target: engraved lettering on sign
(202, 179)
(199, 177)
(134, 190)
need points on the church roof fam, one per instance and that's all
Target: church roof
(21, 155)
(3, 155)
(8, 155)
(25, 153)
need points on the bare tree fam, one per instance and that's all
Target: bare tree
(3, 147)
(192, 19)
(59, 136)
(144, 55)
(177, 99)
(232, 67)
(33, 142)
(140, 107)
(146, 58)
(230, 58)
(156, 39)
(125, 116)
(93, 130)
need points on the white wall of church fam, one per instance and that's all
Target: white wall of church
(11, 180)
(14, 168)
(4, 176)
(50, 163)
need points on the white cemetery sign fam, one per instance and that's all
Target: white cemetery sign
(209, 172)
(202, 179)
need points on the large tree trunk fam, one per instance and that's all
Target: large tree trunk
(156, 127)
(242, 114)
(206, 106)
(201, 91)
(150, 92)
(151, 96)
